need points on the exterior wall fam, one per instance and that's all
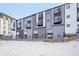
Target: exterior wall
(49, 22)
(1, 26)
(35, 31)
(70, 9)
(59, 27)
(22, 28)
(41, 29)
(25, 27)
(18, 28)
(6, 26)
(41, 32)
(28, 32)
(58, 31)
(13, 29)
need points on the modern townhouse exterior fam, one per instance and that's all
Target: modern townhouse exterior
(6, 26)
(55, 22)
(58, 22)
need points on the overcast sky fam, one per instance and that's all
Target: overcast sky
(20, 10)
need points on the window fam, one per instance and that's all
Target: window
(58, 9)
(40, 19)
(68, 25)
(29, 25)
(57, 20)
(68, 6)
(49, 33)
(77, 9)
(6, 18)
(13, 29)
(4, 32)
(68, 16)
(35, 36)
(57, 16)
(8, 32)
(29, 21)
(14, 24)
(1, 16)
(78, 29)
(77, 14)
(25, 36)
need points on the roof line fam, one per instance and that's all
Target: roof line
(44, 10)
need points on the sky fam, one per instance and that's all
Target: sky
(20, 10)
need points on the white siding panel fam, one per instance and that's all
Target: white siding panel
(72, 11)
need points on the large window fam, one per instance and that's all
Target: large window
(57, 20)
(57, 16)
(40, 19)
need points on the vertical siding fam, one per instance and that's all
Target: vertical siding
(48, 18)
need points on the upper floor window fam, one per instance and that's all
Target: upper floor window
(68, 25)
(57, 16)
(68, 6)
(1, 16)
(77, 14)
(78, 28)
(40, 19)
(57, 20)
(68, 16)
(58, 9)
(28, 24)
(6, 18)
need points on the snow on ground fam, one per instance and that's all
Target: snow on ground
(28, 48)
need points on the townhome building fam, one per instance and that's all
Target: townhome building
(6, 23)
